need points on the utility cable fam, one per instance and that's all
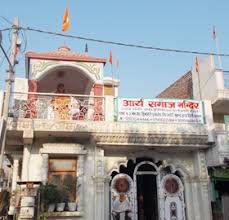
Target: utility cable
(7, 52)
(7, 20)
(125, 44)
(121, 43)
(5, 29)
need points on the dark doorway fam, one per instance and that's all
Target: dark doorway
(147, 197)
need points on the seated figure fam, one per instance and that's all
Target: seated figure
(61, 104)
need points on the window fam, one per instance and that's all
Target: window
(62, 172)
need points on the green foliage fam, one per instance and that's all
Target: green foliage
(49, 193)
(62, 195)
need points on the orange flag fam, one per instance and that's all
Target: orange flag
(66, 21)
(110, 57)
(197, 65)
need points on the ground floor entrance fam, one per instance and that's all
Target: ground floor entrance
(144, 190)
(147, 197)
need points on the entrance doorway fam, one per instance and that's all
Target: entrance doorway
(143, 190)
(146, 185)
(134, 191)
(147, 197)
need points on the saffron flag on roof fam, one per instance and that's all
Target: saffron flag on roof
(197, 65)
(66, 21)
(110, 57)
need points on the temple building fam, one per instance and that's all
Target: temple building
(115, 157)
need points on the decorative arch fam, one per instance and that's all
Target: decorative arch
(184, 174)
(145, 162)
(153, 189)
(73, 66)
(171, 196)
(115, 166)
(76, 78)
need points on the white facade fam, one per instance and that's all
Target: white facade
(171, 156)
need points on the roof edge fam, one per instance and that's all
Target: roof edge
(43, 56)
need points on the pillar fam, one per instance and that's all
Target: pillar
(107, 197)
(201, 200)
(44, 172)
(109, 108)
(25, 163)
(15, 178)
(28, 136)
(80, 183)
(99, 179)
(188, 199)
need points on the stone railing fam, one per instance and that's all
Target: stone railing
(53, 106)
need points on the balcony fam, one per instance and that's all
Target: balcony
(48, 106)
(83, 117)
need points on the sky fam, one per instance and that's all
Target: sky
(177, 24)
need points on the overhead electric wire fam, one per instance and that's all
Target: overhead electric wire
(7, 52)
(125, 44)
(6, 56)
(7, 20)
(5, 29)
(24, 40)
(196, 52)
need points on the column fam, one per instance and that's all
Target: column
(107, 197)
(98, 103)
(44, 172)
(15, 178)
(204, 188)
(200, 186)
(80, 183)
(25, 163)
(99, 187)
(99, 184)
(197, 200)
(109, 108)
(28, 136)
(188, 199)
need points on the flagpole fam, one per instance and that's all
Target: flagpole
(112, 72)
(215, 37)
(117, 67)
(218, 52)
(198, 77)
(112, 76)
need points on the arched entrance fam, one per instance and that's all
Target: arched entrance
(146, 190)
(146, 200)
(135, 190)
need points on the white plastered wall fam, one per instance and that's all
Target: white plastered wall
(210, 79)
